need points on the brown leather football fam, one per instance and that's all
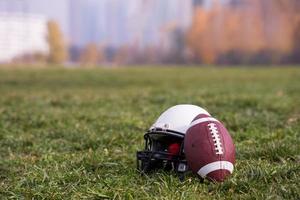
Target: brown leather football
(209, 149)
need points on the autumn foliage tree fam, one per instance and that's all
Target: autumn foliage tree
(58, 51)
(246, 28)
(296, 55)
(91, 55)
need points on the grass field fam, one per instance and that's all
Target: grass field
(73, 134)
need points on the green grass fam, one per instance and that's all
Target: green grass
(73, 134)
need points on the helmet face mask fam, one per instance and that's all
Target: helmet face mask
(164, 141)
(158, 154)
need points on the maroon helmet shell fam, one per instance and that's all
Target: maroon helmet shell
(209, 149)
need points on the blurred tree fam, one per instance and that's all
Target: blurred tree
(74, 54)
(121, 56)
(200, 37)
(252, 31)
(91, 55)
(198, 2)
(38, 58)
(296, 47)
(177, 48)
(172, 46)
(58, 51)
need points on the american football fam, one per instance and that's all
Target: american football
(209, 149)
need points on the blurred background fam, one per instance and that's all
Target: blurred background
(133, 32)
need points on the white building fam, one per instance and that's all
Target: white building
(22, 34)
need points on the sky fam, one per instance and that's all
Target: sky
(53, 9)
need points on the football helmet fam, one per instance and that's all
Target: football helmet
(164, 140)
